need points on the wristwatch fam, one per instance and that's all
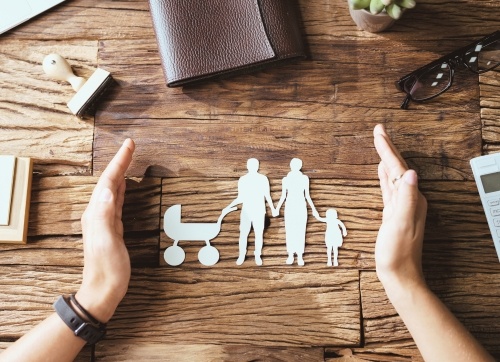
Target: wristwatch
(88, 331)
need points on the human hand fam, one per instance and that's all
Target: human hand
(398, 251)
(106, 271)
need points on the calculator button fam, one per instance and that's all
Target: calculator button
(494, 202)
(496, 222)
(495, 212)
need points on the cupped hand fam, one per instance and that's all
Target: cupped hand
(398, 251)
(106, 271)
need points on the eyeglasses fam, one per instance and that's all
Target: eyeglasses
(436, 77)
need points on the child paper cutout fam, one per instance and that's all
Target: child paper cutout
(176, 230)
(253, 193)
(295, 190)
(333, 237)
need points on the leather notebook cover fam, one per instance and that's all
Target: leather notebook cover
(202, 39)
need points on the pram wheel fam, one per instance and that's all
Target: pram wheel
(208, 255)
(174, 255)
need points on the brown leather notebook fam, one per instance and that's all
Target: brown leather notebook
(203, 39)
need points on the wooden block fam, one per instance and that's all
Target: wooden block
(7, 168)
(17, 230)
(140, 350)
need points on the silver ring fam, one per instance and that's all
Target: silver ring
(395, 179)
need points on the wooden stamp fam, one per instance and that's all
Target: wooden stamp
(87, 91)
(15, 188)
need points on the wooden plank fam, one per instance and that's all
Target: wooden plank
(315, 110)
(33, 105)
(490, 112)
(71, 194)
(264, 307)
(203, 199)
(132, 350)
(89, 19)
(373, 354)
(329, 19)
(325, 20)
(457, 233)
(470, 296)
(68, 251)
(83, 356)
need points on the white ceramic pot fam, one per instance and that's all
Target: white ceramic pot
(372, 23)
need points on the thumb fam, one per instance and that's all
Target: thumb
(407, 198)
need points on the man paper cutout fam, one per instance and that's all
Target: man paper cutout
(253, 193)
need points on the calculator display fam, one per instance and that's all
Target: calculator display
(491, 182)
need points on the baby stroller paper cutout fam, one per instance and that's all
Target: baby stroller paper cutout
(174, 255)
(333, 237)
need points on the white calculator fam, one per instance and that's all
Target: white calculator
(486, 171)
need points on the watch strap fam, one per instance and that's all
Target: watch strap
(87, 331)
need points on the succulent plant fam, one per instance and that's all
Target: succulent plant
(394, 8)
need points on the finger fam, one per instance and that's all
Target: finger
(115, 171)
(408, 197)
(384, 184)
(393, 164)
(379, 130)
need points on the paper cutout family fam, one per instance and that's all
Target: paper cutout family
(253, 193)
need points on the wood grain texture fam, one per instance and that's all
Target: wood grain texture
(467, 295)
(133, 350)
(322, 110)
(32, 104)
(84, 355)
(264, 308)
(71, 194)
(267, 307)
(490, 111)
(315, 110)
(384, 354)
(457, 234)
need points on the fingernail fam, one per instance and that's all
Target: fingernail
(106, 195)
(411, 178)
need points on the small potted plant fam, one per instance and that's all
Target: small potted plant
(377, 15)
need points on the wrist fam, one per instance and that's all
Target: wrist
(401, 290)
(97, 304)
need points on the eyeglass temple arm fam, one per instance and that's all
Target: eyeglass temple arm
(406, 102)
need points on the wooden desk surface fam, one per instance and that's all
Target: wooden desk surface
(193, 145)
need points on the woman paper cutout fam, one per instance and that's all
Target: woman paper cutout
(253, 192)
(295, 190)
(176, 230)
(333, 237)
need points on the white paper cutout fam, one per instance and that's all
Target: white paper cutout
(295, 191)
(333, 237)
(253, 193)
(176, 230)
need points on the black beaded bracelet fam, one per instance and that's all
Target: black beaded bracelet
(89, 316)
(86, 330)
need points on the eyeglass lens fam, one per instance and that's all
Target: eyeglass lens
(429, 84)
(483, 57)
(437, 79)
